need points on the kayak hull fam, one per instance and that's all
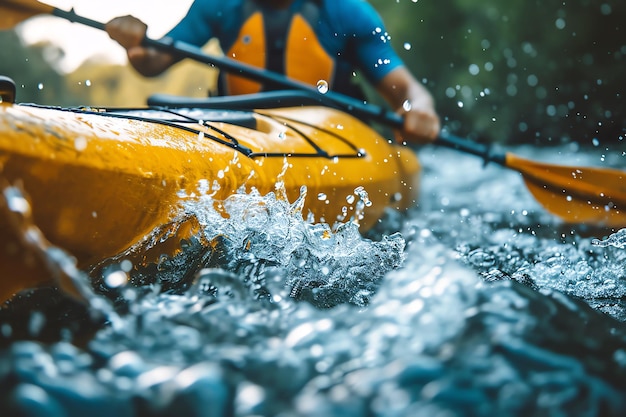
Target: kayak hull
(100, 181)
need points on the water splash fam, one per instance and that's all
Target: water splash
(53, 262)
(617, 240)
(472, 316)
(265, 235)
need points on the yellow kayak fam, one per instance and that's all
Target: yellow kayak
(100, 180)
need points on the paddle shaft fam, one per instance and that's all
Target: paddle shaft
(75, 18)
(185, 50)
(357, 107)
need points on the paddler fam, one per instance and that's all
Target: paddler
(315, 41)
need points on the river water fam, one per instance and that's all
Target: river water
(475, 303)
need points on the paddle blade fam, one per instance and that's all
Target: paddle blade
(13, 12)
(576, 194)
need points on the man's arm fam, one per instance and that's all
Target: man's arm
(130, 32)
(409, 98)
(376, 59)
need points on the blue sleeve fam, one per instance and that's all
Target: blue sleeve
(372, 45)
(196, 27)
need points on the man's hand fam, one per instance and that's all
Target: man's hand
(421, 123)
(414, 103)
(130, 32)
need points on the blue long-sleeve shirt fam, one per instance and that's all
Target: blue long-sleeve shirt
(351, 31)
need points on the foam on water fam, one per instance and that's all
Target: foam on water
(506, 235)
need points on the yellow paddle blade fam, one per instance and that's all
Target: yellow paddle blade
(13, 12)
(576, 194)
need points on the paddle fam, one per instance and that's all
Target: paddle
(576, 194)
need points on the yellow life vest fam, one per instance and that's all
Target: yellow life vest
(283, 41)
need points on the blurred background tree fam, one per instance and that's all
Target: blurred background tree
(32, 70)
(533, 71)
(516, 71)
(36, 73)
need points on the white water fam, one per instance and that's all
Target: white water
(480, 306)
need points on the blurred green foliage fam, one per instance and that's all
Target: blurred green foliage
(533, 71)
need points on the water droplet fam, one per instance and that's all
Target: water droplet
(36, 323)
(322, 197)
(363, 195)
(406, 105)
(203, 186)
(80, 143)
(16, 201)
(560, 23)
(532, 80)
(481, 258)
(116, 279)
(40, 86)
(617, 239)
(407, 46)
(282, 135)
(126, 265)
(322, 86)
